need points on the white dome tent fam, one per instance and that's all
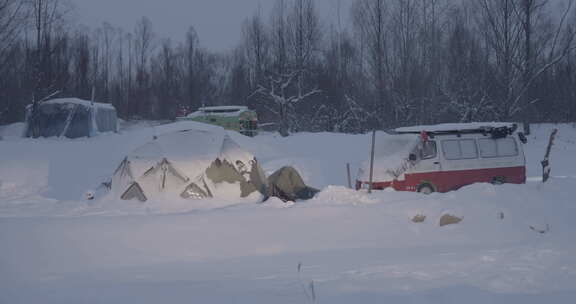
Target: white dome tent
(190, 163)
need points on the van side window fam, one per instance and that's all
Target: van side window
(428, 149)
(507, 146)
(451, 149)
(459, 149)
(468, 148)
(488, 147)
(501, 147)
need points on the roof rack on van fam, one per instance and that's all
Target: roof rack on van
(495, 130)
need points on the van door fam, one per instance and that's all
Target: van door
(426, 169)
(428, 158)
(459, 162)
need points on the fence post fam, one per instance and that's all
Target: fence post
(372, 161)
(348, 172)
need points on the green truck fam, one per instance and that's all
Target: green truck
(237, 118)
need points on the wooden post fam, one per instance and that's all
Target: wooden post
(349, 179)
(546, 162)
(372, 161)
(526, 128)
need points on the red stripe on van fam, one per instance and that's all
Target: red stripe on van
(444, 181)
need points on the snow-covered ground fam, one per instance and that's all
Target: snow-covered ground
(342, 246)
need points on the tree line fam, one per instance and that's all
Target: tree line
(375, 64)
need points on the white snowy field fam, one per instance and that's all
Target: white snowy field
(342, 246)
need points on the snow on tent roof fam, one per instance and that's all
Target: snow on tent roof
(391, 151)
(78, 101)
(192, 151)
(453, 127)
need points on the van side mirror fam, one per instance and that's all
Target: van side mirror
(412, 157)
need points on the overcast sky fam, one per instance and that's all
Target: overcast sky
(218, 22)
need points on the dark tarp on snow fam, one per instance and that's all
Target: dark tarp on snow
(287, 185)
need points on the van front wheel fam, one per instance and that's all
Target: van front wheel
(425, 189)
(498, 180)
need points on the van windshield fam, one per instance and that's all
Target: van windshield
(391, 152)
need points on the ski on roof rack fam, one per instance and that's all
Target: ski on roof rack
(496, 130)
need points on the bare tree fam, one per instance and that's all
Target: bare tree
(81, 65)
(106, 38)
(190, 50)
(304, 37)
(277, 92)
(12, 23)
(404, 28)
(294, 37)
(168, 76)
(462, 82)
(12, 14)
(369, 18)
(508, 32)
(49, 69)
(256, 45)
(279, 37)
(143, 46)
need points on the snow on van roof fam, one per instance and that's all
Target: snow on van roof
(453, 127)
(78, 101)
(223, 108)
(182, 126)
(223, 111)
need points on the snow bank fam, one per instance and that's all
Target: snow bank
(12, 131)
(514, 244)
(51, 175)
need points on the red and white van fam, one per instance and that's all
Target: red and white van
(445, 157)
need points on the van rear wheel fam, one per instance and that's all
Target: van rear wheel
(425, 189)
